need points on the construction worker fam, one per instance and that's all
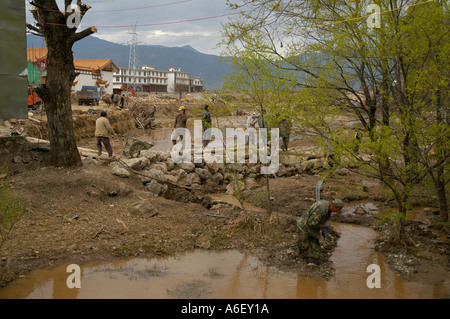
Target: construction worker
(115, 99)
(357, 136)
(122, 101)
(285, 132)
(252, 120)
(206, 124)
(314, 223)
(151, 118)
(180, 122)
(103, 130)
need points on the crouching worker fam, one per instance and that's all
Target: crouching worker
(313, 224)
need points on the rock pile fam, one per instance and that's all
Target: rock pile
(157, 170)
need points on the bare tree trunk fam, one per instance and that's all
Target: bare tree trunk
(56, 95)
(59, 38)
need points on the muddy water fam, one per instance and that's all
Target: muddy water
(228, 274)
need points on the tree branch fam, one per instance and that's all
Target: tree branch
(36, 34)
(83, 8)
(33, 28)
(80, 35)
(37, 5)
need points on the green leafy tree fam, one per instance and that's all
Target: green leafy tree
(387, 71)
(262, 88)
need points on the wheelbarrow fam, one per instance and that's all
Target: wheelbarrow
(134, 146)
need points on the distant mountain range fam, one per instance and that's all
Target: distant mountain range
(206, 66)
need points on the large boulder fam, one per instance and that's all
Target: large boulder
(195, 179)
(182, 177)
(217, 178)
(164, 156)
(137, 163)
(120, 171)
(154, 174)
(153, 156)
(186, 166)
(214, 167)
(170, 178)
(169, 164)
(156, 188)
(196, 186)
(203, 173)
(144, 208)
(160, 166)
(282, 171)
(119, 189)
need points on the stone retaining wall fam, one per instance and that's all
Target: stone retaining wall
(20, 155)
(157, 169)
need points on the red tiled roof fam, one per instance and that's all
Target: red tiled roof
(35, 54)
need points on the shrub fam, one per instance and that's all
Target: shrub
(11, 210)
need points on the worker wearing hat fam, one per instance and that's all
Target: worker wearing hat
(314, 223)
(180, 121)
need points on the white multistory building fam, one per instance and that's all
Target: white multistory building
(149, 79)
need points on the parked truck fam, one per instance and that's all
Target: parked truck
(88, 95)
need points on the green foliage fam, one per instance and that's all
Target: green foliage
(262, 86)
(391, 216)
(11, 210)
(317, 61)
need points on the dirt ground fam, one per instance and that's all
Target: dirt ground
(86, 213)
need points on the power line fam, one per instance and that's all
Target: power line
(155, 24)
(140, 8)
(125, 9)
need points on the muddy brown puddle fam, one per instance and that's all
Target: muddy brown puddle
(226, 274)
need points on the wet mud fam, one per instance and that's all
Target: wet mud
(228, 274)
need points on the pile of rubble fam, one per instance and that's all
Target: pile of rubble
(157, 170)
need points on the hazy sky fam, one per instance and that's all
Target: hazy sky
(159, 22)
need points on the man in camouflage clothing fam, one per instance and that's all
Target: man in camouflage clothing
(314, 222)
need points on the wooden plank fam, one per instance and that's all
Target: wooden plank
(83, 151)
